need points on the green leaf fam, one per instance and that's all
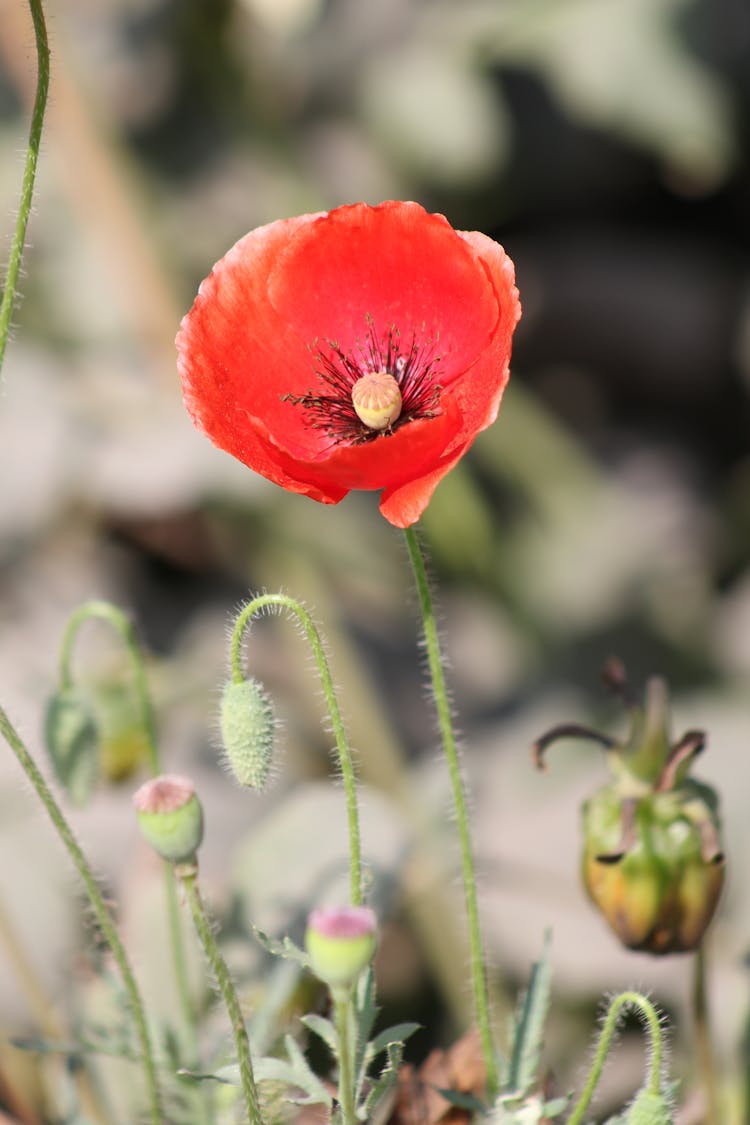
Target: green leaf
(528, 1032)
(226, 1075)
(303, 1076)
(284, 948)
(382, 1085)
(325, 1030)
(461, 1100)
(399, 1033)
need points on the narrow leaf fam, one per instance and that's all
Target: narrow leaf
(284, 948)
(325, 1030)
(399, 1033)
(529, 1025)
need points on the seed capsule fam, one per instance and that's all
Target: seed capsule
(376, 398)
(653, 862)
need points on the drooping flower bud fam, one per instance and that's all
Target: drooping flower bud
(170, 817)
(340, 943)
(72, 739)
(247, 731)
(123, 738)
(653, 862)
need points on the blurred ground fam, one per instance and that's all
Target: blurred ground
(605, 144)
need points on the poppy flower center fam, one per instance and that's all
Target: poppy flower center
(373, 390)
(376, 398)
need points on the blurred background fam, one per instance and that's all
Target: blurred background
(605, 144)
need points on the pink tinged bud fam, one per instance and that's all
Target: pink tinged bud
(170, 817)
(341, 943)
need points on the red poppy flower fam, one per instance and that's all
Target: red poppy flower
(363, 348)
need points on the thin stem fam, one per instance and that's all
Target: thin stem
(702, 1031)
(121, 623)
(187, 873)
(124, 627)
(450, 749)
(342, 1000)
(650, 1014)
(102, 914)
(29, 173)
(337, 724)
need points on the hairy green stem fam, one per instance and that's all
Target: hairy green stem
(102, 914)
(187, 873)
(282, 601)
(702, 1032)
(342, 1002)
(125, 629)
(450, 749)
(29, 174)
(647, 1010)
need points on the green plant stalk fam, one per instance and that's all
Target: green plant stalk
(702, 1031)
(343, 749)
(29, 174)
(342, 1003)
(187, 873)
(102, 914)
(123, 626)
(648, 1011)
(450, 749)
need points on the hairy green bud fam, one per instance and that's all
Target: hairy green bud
(247, 731)
(72, 738)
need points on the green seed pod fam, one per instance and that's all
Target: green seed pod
(647, 866)
(649, 1109)
(72, 738)
(247, 731)
(653, 862)
(170, 817)
(341, 943)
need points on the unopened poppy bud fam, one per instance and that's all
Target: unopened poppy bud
(170, 817)
(649, 1109)
(72, 739)
(124, 741)
(376, 398)
(341, 943)
(247, 731)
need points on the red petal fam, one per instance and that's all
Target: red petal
(247, 342)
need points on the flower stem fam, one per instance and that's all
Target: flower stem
(29, 173)
(124, 627)
(282, 601)
(102, 914)
(650, 1014)
(702, 1031)
(187, 873)
(450, 749)
(342, 1002)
